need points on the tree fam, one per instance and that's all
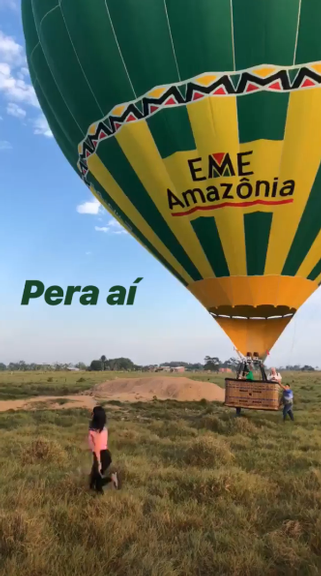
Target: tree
(81, 366)
(96, 365)
(212, 363)
(103, 360)
(232, 363)
(3, 367)
(120, 364)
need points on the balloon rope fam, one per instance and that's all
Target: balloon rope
(293, 338)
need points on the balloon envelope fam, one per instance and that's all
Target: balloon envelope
(197, 124)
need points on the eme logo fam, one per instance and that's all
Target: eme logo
(220, 164)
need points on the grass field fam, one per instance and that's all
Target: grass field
(203, 494)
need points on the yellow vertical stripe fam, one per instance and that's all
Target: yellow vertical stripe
(311, 259)
(215, 128)
(140, 150)
(300, 162)
(106, 180)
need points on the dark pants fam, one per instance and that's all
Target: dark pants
(96, 481)
(238, 411)
(288, 410)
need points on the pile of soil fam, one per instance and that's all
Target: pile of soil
(164, 388)
(125, 390)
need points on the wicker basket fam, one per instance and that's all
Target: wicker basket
(257, 395)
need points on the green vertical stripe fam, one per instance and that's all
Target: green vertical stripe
(117, 164)
(202, 35)
(307, 231)
(46, 89)
(41, 9)
(65, 68)
(257, 226)
(54, 100)
(309, 39)
(315, 271)
(264, 32)
(207, 233)
(172, 132)
(94, 41)
(29, 27)
(143, 34)
(262, 116)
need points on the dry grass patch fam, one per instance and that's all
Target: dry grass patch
(43, 450)
(208, 452)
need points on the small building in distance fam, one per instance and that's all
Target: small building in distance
(225, 370)
(163, 369)
(178, 369)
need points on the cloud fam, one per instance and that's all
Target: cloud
(5, 145)
(113, 227)
(15, 84)
(87, 253)
(11, 4)
(91, 207)
(101, 229)
(11, 52)
(15, 110)
(117, 228)
(15, 89)
(41, 127)
(22, 73)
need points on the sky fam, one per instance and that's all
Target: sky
(53, 230)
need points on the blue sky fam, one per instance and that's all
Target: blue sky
(53, 230)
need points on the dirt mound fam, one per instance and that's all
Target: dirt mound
(164, 388)
(125, 390)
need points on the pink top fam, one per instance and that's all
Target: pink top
(98, 441)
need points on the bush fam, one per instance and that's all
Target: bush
(208, 452)
(43, 450)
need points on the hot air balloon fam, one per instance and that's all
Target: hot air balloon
(197, 125)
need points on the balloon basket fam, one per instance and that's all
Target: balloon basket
(251, 394)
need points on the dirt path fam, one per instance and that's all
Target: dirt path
(49, 403)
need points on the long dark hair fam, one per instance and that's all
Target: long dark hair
(99, 419)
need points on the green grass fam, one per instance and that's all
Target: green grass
(203, 493)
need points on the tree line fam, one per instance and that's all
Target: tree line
(119, 364)
(211, 363)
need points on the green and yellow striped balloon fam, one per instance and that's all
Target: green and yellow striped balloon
(197, 124)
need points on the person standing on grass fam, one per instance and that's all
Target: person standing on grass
(287, 401)
(98, 443)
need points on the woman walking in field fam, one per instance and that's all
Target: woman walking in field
(98, 443)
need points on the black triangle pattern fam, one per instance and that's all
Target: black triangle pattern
(232, 84)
